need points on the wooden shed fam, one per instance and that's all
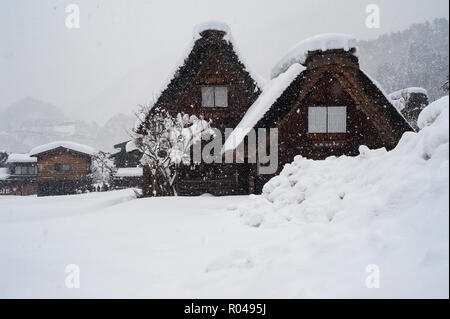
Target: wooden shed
(63, 168)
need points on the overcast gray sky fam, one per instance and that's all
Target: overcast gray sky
(125, 48)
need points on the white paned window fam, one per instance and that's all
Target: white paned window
(332, 119)
(317, 120)
(208, 96)
(221, 96)
(214, 96)
(337, 119)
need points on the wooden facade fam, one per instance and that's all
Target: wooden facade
(62, 171)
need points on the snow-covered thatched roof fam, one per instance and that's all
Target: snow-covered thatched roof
(197, 35)
(20, 158)
(321, 42)
(80, 148)
(211, 25)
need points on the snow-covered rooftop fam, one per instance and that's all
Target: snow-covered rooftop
(3, 173)
(129, 172)
(20, 158)
(400, 93)
(130, 146)
(271, 92)
(322, 42)
(210, 25)
(65, 144)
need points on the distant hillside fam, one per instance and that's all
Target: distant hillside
(30, 122)
(418, 56)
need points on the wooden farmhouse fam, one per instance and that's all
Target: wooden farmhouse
(63, 168)
(19, 175)
(323, 105)
(212, 82)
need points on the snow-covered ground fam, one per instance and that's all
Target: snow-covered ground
(313, 233)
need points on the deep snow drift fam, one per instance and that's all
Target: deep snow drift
(312, 234)
(384, 208)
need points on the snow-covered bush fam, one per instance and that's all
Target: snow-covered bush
(165, 142)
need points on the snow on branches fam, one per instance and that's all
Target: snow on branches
(165, 142)
(102, 171)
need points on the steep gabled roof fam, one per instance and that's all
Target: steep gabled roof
(205, 36)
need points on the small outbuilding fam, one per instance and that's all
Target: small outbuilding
(63, 168)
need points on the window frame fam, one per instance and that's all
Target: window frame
(327, 121)
(62, 167)
(24, 170)
(214, 94)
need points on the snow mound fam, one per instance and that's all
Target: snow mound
(322, 42)
(65, 144)
(436, 111)
(271, 92)
(20, 158)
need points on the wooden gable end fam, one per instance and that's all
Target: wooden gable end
(327, 91)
